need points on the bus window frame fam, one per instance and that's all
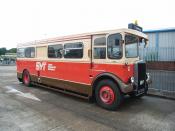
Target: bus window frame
(137, 45)
(23, 52)
(30, 52)
(62, 54)
(82, 43)
(121, 45)
(100, 46)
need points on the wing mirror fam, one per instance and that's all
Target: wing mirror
(146, 43)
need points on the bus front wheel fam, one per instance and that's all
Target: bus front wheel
(26, 78)
(108, 95)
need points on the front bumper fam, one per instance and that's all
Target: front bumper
(132, 87)
(148, 80)
(126, 88)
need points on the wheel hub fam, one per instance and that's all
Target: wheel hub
(26, 78)
(107, 95)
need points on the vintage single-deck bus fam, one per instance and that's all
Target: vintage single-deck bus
(102, 65)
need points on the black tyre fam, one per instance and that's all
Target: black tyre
(26, 78)
(20, 80)
(108, 95)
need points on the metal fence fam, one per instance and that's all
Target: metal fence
(7, 62)
(158, 54)
(163, 83)
(163, 80)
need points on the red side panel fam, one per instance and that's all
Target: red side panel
(120, 70)
(78, 72)
(73, 71)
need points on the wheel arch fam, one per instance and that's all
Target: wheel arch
(103, 76)
(24, 71)
(27, 71)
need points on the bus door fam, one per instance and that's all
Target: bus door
(99, 48)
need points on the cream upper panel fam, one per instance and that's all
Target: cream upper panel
(86, 39)
(86, 48)
(107, 60)
(41, 51)
(83, 36)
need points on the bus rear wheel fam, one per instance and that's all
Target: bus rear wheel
(26, 78)
(108, 95)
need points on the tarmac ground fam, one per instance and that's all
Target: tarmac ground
(38, 109)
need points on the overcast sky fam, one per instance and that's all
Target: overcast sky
(27, 20)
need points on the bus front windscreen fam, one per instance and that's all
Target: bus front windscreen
(131, 46)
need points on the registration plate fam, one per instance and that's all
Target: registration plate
(141, 91)
(141, 82)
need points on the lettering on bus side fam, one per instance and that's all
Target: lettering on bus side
(41, 66)
(51, 67)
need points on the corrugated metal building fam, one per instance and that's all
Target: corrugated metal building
(160, 57)
(161, 45)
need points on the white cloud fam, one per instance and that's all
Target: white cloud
(26, 20)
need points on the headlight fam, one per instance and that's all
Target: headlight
(148, 79)
(132, 79)
(148, 76)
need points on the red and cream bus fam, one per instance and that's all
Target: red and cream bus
(102, 65)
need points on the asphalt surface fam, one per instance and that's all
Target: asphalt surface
(37, 109)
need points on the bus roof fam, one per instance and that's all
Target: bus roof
(83, 36)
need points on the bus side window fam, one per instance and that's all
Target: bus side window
(20, 52)
(55, 51)
(30, 52)
(73, 50)
(100, 48)
(115, 46)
